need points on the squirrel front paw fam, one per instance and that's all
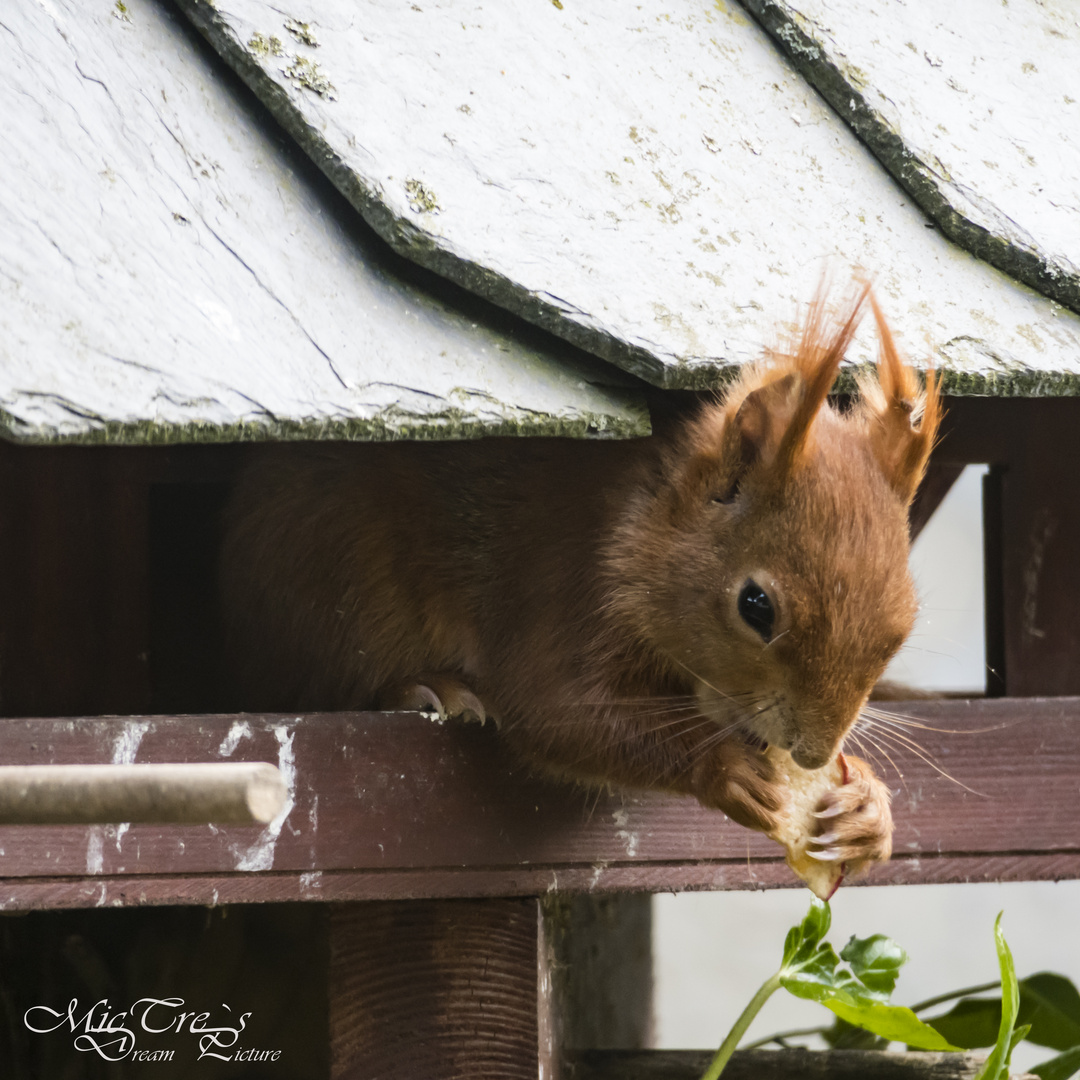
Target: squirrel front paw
(854, 821)
(742, 782)
(444, 694)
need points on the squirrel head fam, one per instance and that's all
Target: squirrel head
(768, 561)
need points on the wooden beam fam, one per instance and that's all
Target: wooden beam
(116, 890)
(789, 1064)
(395, 806)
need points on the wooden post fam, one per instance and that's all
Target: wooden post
(1040, 530)
(439, 989)
(1032, 535)
(601, 948)
(74, 638)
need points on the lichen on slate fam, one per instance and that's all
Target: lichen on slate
(306, 73)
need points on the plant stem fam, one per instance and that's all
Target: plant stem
(727, 1047)
(929, 1003)
(798, 1033)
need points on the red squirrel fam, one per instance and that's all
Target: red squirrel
(647, 613)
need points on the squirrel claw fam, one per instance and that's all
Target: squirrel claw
(445, 695)
(856, 821)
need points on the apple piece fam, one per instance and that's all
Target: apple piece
(806, 788)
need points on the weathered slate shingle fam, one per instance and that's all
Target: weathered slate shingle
(655, 183)
(171, 268)
(974, 108)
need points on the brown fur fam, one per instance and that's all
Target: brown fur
(586, 593)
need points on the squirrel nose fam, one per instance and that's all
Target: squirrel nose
(809, 758)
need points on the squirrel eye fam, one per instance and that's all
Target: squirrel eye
(756, 609)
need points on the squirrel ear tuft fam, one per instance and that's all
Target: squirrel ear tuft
(818, 359)
(775, 420)
(903, 418)
(722, 451)
(765, 416)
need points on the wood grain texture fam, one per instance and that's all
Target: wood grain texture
(794, 1064)
(445, 990)
(601, 968)
(393, 806)
(1040, 572)
(74, 582)
(1032, 534)
(107, 890)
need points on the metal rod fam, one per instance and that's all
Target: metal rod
(219, 792)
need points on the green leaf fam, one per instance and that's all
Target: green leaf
(810, 964)
(803, 940)
(1061, 1067)
(1018, 1036)
(818, 979)
(812, 971)
(815, 976)
(841, 1035)
(876, 962)
(996, 1066)
(970, 1023)
(892, 1022)
(1050, 1003)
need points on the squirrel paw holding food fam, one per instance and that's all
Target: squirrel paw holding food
(702, 611)
(854, 820)
(744, 783)
(835, 822)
